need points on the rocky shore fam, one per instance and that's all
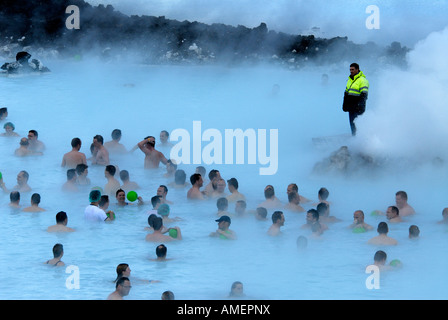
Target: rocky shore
(40, 27)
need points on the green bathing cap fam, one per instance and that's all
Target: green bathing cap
(395, 263)
(374, 213)
(359, 230)
(132, 196)
(173, 233)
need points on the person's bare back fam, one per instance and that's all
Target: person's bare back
(72, 158)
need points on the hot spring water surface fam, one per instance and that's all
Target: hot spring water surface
(84, 99)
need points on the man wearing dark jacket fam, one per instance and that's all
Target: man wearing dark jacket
(355, 95)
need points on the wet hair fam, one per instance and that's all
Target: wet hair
(155, 201)
(3, 111)
(120, 281)
(294, 187)
(233, 287)
(103, 200)
(80, 168)
(26, 175)
(58, 249)
(194, 178)
(315, 214)
(201, 170)
(394, 209)
(124, 175)
(161, 250)
(379, 256)
(24, 142)
(277, 215)
(233, 182)
(242, 203)
(164, 188)
(34, 132)
(165, 132)
(382, 228)
(167, 295)
(262, 212)
(75, 142)
(71, 173)
(402, 194)
(151, 218)
(180, 176)
(212, 174)
(14, 196)
(222, 204)
(35, 198)
(120, 269)
(355, 65)
(116, 134)
(322, 208)
(157, 223)
(323, 193)
(61, 216)
(111, 169)
(99, 138)
(414, 231)
(292, 196)
(118, 191)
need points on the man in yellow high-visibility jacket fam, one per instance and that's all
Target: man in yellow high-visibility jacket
(355, 95)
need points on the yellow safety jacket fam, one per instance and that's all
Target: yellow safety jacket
(356, 92)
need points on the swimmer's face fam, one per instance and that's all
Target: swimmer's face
(31, 136)
(21, 178)
(237, 289)
(390, 214)
(127, 272)
(309, 217)
(125, 288)
(358, 217)
(163, 137)
(161, 191)
(8, 129)
(121, 197)
(223, 225)
(282, 220)
(290, 189)
(400, 201)
(221, 186)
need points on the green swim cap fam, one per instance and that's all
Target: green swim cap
(0, 175)
(98, 188)
(163, 209)
(132, 196)
(173, 233)
(374, 213)
(396, 263)
(359, 230)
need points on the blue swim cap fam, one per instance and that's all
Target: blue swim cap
(163, 210)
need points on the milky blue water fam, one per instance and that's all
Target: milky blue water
(82, 99)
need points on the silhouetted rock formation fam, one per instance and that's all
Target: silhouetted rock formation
(103, 30)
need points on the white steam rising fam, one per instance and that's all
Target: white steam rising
(410, 113)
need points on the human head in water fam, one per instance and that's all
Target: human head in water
(22, 56)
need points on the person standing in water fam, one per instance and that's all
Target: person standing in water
(355, 95)
(152, 156)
